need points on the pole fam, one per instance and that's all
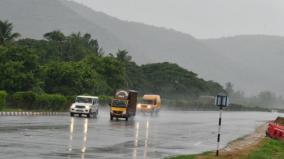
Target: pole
(219, 130)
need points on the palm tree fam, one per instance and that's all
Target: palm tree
(6, 34)
(122, 55)
(55, 35)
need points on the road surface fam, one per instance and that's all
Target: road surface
(171, 133)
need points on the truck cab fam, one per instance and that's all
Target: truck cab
(150, 104)
(123, 105)
(85, 105)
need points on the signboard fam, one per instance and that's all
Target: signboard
(121, 94)
(222, 101)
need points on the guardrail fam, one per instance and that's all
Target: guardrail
(34, 113)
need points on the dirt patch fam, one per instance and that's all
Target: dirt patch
(247, 142)
(241, 147)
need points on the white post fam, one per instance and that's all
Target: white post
(219, 131)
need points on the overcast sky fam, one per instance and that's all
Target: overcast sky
(200, 18)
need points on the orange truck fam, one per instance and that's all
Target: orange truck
(151, 103)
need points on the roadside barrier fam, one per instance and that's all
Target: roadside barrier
(34, 113)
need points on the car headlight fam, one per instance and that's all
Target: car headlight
(139, 106)
(124, 112)
(72, 106)
(149, 106)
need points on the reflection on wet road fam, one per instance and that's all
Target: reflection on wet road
(145, 137)
(85, 136)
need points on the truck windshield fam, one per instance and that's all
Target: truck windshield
(119, 103)
(83, 100)
(148, 101)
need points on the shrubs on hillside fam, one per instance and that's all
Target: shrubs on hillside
(3, 96)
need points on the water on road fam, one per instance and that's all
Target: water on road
(144, 137)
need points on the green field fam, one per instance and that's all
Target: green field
(268, 149)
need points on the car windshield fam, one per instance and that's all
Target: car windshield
(83, 100)
(119, 103)
(148, 101)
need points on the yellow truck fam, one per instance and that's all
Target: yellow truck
(150, 104)
(123, 105)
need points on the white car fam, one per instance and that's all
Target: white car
(85, 105)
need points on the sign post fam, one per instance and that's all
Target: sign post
(221, 101)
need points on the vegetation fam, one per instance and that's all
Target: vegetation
(33, 71)
(268, 149)
(6, 34)
(3, 96)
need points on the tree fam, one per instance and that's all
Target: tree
(173, 81)
(112, 71)
(122, 55)
(18, 67)
(56, 35)
(6, 34)
(72, 78)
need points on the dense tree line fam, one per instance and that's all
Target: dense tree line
(76, 64)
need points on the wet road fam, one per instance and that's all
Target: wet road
(171, 133)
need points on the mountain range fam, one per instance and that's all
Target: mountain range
(252, 63)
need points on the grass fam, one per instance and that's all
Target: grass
(267, 149)
(11, 110)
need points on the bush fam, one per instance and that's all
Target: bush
(3, 96)
(32, 101)
(23, 100)
(53, 102)
(104, 100)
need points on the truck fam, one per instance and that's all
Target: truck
(150, 104)
(123, 105)
(85, 105)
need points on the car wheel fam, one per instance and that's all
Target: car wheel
(111, 117)
(71, 114)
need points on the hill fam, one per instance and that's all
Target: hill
(145, 43)
(261, 58)
(251, 62)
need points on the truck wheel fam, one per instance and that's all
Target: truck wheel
(71, 114)
(111, 117)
